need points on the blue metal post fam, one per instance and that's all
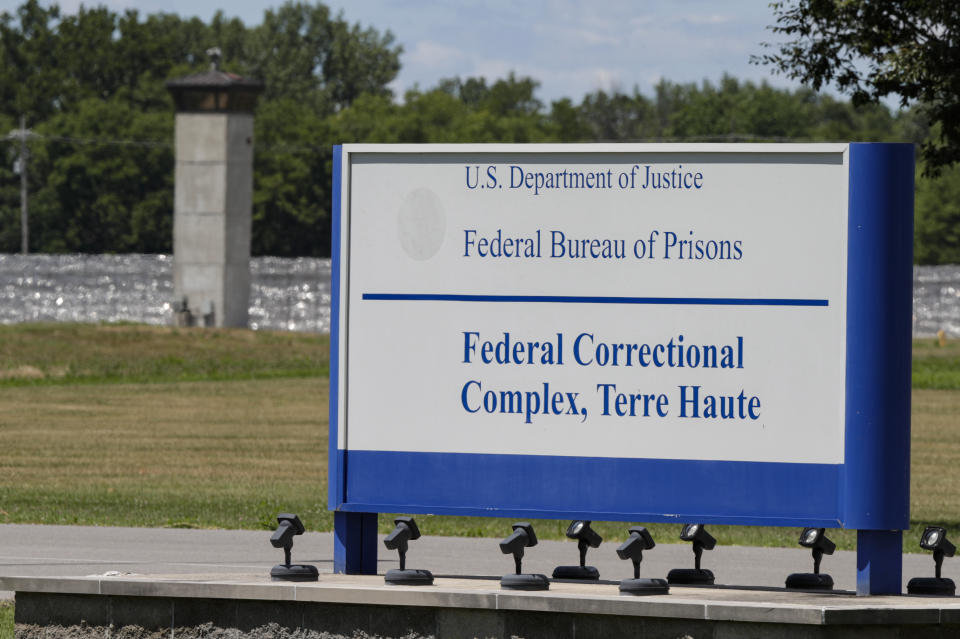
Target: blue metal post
(876, 493)
(355, 543)
(879, 562)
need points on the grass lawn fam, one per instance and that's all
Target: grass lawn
(6, 620)
(130, 425)
(58, 354)
(185, 454)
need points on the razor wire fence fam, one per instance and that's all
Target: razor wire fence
(291, 294)
(285, 293)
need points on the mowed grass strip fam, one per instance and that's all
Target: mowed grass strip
(206, 455)
(57, 354)
(197, 454)
(125, 438)
(935, 458)
(6, 619)
(234, 454)
(936, 365)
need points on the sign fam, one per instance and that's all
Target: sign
(709, 333)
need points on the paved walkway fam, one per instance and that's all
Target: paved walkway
(27, 550)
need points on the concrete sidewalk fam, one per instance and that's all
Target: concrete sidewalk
(27, 550)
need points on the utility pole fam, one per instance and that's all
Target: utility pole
(24, 214)
(22, 133)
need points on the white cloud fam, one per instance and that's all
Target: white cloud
(604, 79)
(493, 69)
(433, 55)
(705, 19)
(641, 21)
(70, 7)
(571, 35)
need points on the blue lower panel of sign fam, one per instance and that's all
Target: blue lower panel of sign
(534, 486)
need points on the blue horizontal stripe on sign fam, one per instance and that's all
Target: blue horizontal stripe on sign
(604, 489)
(575, 299)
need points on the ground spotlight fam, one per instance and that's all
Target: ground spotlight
(632, 549)
(522, 537)
(934, 538)
(815, 539)
(405, 531)
(290, 526)
(702, 540)
(586, 537)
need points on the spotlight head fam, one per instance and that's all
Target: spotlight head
(816, 539)
(581, 531)
(289, 525)
(586, 538)
(702, 540)
(406, 530)
(632, 549)
(522, 537)
(634, 546)
(698, 535)
(935, 538)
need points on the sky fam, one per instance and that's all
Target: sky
(572, 47)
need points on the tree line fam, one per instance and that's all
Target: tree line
(100, 164)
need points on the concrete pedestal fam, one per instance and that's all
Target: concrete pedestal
(252, 607)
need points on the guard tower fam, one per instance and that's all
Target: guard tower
(213, 196)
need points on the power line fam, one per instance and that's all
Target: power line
(307, 148)
(105, 141)
(277, 148)
(16, 134)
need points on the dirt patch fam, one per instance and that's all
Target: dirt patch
(22, 372)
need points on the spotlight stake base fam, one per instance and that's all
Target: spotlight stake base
(690, 576)
(810, 581)
(643, 586)
(578, 573)
(295, 572)
(408, 577)
(931, 586)
(525, 582)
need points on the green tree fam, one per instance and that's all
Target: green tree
(9, 189)
(726, 112)
(305, 54)
(292, 176)
(30, 77)
(876, 48)
(616, 117)
(102, 191)
(96, 76)
(500, 113)
(567, 121)
(92, 85)
(937, 219)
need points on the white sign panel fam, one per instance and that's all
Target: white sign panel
(628, 301)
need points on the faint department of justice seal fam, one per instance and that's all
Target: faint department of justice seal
(421, 224)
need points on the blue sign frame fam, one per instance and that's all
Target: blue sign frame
(869, 491)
